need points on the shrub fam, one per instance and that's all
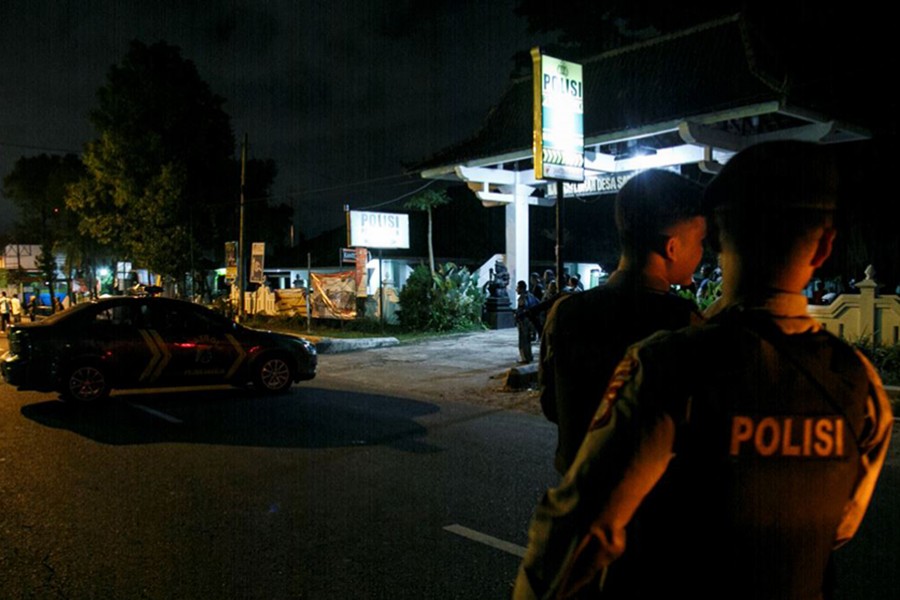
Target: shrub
(715, 292)
(885, 358)
(449, 300)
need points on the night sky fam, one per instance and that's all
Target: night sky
(342, 93)
(338, 93)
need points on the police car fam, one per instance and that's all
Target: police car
(143, 342)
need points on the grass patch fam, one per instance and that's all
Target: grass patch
(332, 328)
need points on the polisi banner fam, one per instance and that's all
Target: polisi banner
(257, 262)
(377, 230)
(231, 260)
(558, 118)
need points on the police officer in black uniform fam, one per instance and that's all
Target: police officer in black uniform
(739, 453)
(661, 231)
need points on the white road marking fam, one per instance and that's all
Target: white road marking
(483, 538)
(156, 413)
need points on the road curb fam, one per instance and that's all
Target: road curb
(336, 345)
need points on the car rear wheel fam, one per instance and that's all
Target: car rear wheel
(274, 374)
(86, 384)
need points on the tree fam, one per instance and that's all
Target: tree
(164, 147)
(38, 186)
(426, 201)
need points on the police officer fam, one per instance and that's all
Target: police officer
(739, 453)
(661, 231)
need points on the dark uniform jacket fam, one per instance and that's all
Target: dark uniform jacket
(585, 336)
(738, 453)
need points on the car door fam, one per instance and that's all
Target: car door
(108, 334)
(194, 347)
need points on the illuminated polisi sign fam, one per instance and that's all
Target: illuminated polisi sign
(378, 230)
(558, 119)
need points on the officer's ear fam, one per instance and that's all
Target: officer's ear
(671, 247)
(823, 247)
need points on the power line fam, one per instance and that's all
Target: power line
(347, 186)
(341, 187)
(40, 148)
(385, 203)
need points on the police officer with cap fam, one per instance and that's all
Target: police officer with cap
(740, 452)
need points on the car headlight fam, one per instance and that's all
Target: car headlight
(308, 346)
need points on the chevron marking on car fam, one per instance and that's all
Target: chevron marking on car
(155, 354)
(241, 355)
(166, 355)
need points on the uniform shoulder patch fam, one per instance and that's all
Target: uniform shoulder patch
(625, 369)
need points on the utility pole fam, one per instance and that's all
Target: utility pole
(560, 284)
(240, 258)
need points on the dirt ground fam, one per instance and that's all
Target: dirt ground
(470, 367)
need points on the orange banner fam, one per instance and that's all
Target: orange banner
(333, 295)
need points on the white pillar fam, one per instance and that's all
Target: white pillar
(517, 239)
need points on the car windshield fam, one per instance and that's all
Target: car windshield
(65, 314)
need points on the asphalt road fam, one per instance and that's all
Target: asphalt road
(221, 494)
(368, 482)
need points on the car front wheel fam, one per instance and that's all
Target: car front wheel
(86, 384)
(274, 374)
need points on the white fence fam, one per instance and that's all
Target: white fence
(863, 316)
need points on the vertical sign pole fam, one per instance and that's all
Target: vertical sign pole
(559, 235)
(308, 292)
(381, 291)
(240, 263)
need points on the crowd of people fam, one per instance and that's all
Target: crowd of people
(10, 310)
(13, 310)
(744, 439)
(534, 300)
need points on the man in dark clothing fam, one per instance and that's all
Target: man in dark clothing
(585, 335)
(738, 453)
(524, 303)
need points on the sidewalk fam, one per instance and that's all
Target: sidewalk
(469, 367)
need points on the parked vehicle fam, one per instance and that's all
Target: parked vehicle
(142, 342)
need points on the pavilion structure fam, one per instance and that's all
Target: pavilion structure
(686, 101)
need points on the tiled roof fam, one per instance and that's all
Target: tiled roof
(705, 69)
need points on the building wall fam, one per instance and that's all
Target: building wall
(20, 255)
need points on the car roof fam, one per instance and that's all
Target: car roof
(119, 300)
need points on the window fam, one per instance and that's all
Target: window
(118, 314)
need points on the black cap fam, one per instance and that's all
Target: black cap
(776, 176)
